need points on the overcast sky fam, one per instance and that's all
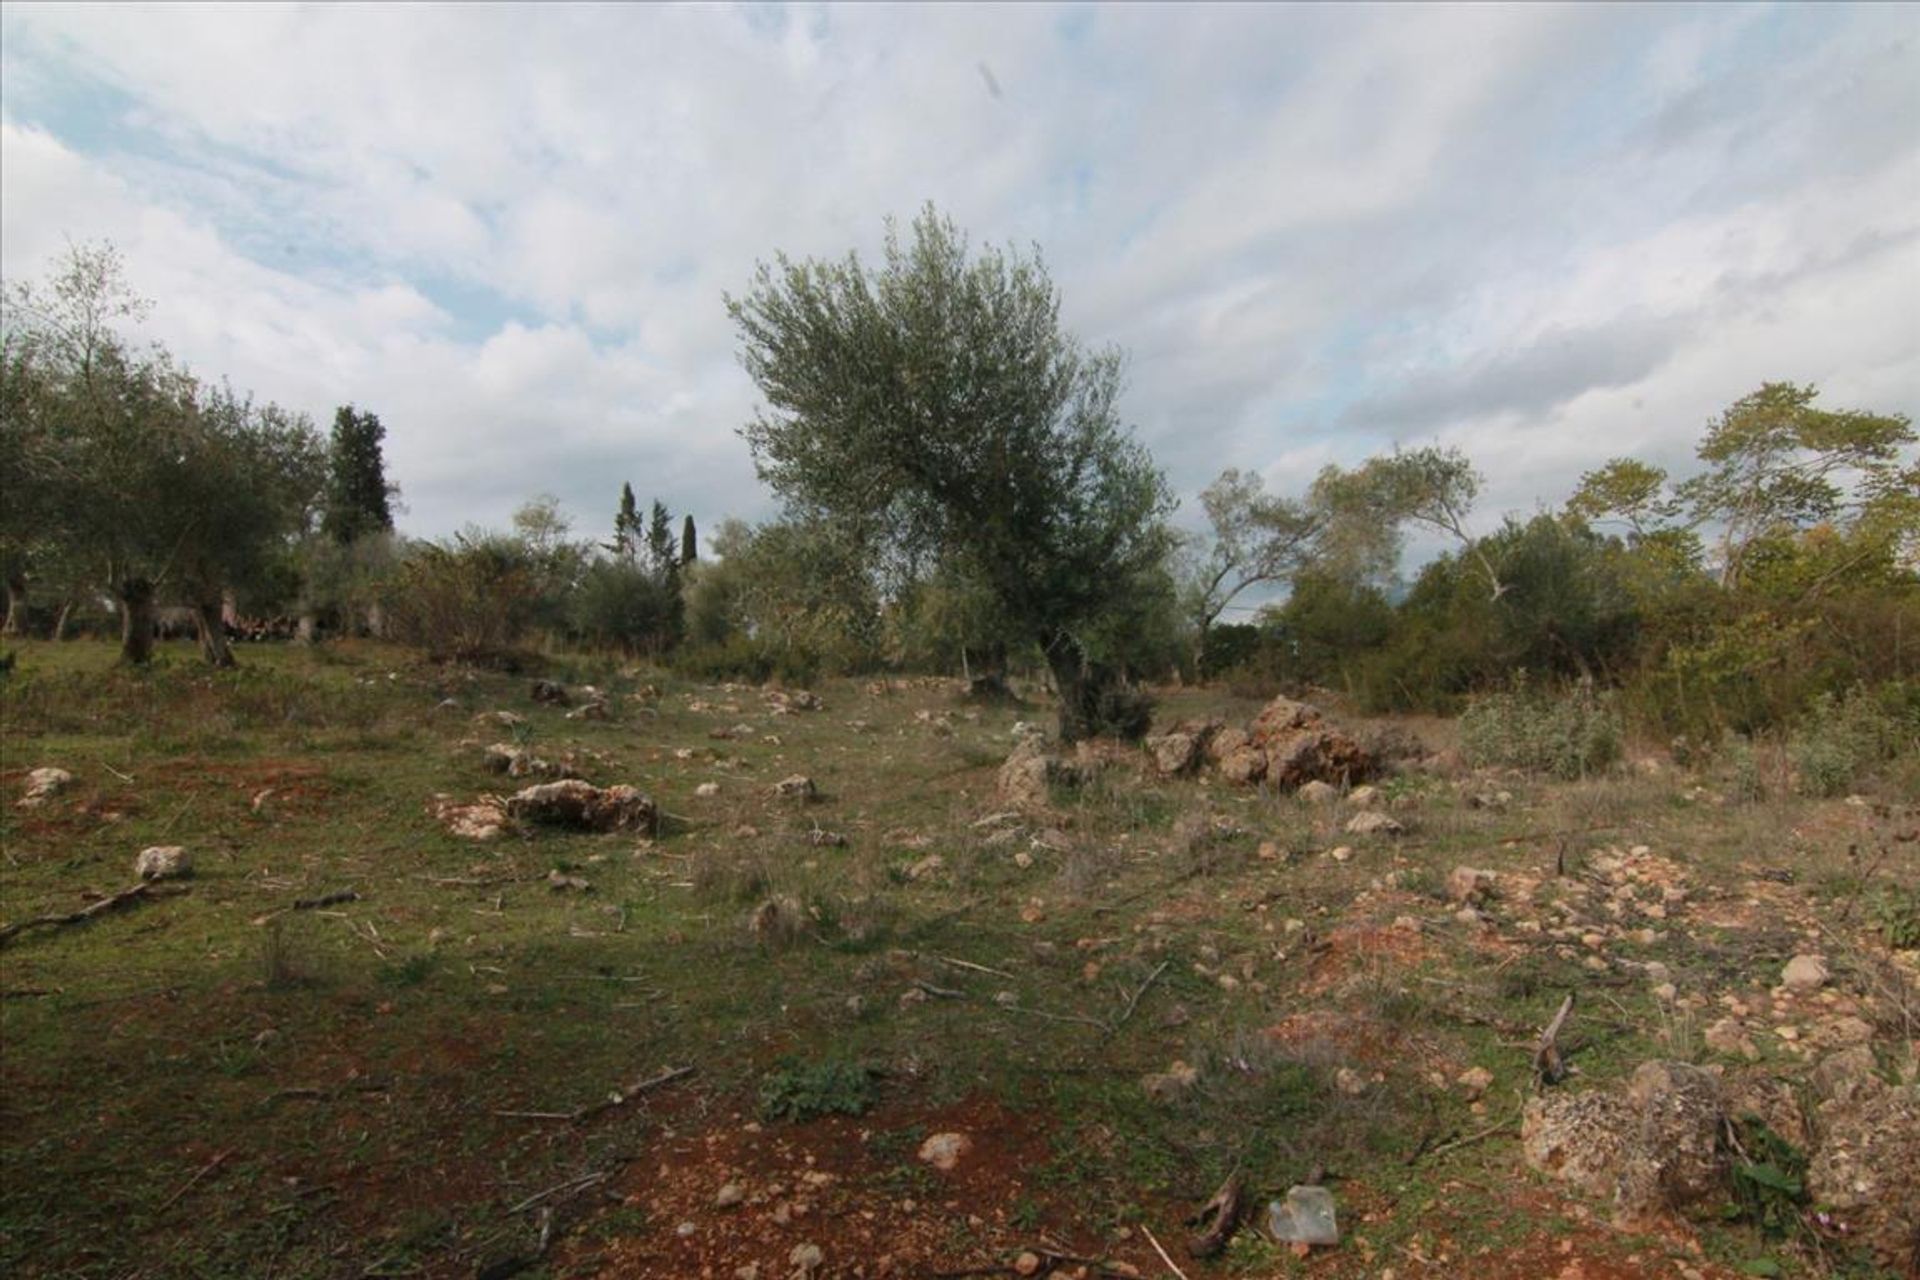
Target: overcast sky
(1548, 234)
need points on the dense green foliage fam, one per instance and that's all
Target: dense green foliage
(937, 412)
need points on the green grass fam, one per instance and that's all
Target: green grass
(207, 1083)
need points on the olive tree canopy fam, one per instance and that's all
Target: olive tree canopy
(934, 407)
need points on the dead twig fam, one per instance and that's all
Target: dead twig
(977, 968)
(1479, 1135)
(943, 993)
(194, 1181)
(112, 901)
(1171, 1264)
(1141, 991)
(571, 1187)
(618, 1097)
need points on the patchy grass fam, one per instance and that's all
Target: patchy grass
(220, 1084)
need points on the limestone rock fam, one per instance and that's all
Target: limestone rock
(1175, 1080)
(1728, 1036)
(1866, 1169)
(583, 806)
(797, 787)
(1366, 797)
(1374, 823)
(1317, 792)
(944, 1150)
(1025, 779)
(518, 762)
(1174, 753)
(1245, 766)
(43, 785)
(1470, 884)
(163, 862)
(1580, 1138)
(1805, 973)
(482, 820)
(1300, 747)
(1678, 1161)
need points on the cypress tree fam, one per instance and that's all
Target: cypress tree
(626, 526)
(357, 489)
(689, 545)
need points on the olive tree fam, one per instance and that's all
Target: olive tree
(935, 403)
(118, 457)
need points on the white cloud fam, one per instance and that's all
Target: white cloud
(1548, 234)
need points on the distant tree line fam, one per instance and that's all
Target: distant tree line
(960, 495)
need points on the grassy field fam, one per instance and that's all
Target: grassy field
(1118, 1004)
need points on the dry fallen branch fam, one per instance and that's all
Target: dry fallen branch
(1224, 1208)
(313, 1094)
(111, 902)
(619, 1097)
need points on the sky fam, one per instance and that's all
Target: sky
(1546, 235)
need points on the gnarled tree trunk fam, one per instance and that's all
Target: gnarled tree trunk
(1095, 699)
(136, 621)
(213, 634)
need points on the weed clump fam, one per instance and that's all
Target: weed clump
(1566, 736)
(807, 1090)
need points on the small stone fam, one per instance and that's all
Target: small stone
(43, 784)
(797, 787)
(1175, 1080)
(806, 1258)
(1350, 1082)
(707, 790)
(1027, 1264)
(1374, 823)
(163, 862)
(685, 1229)
(1317, 792)
(943, 1150)
(729, 1196)
(1729, 1037)
(1805, 973)
(1340, 853)
(1666, 993)
(1470, 885)
(1367, 797)
(1475, 1081)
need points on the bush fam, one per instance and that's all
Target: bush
(1842, 738)
(1569, 735)
(469, 600)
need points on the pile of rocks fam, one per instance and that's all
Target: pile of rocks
(1288, 745)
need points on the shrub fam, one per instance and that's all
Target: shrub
(469, 600)
(1842, 738)
(1570, 735)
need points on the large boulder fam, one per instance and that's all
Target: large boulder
(1676, 1160)
(1026, 779)
(585, 807)
(1580, 1138)
(1300, 746)
(1865, 1165)
(1175, 753)
(1651, 1150)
